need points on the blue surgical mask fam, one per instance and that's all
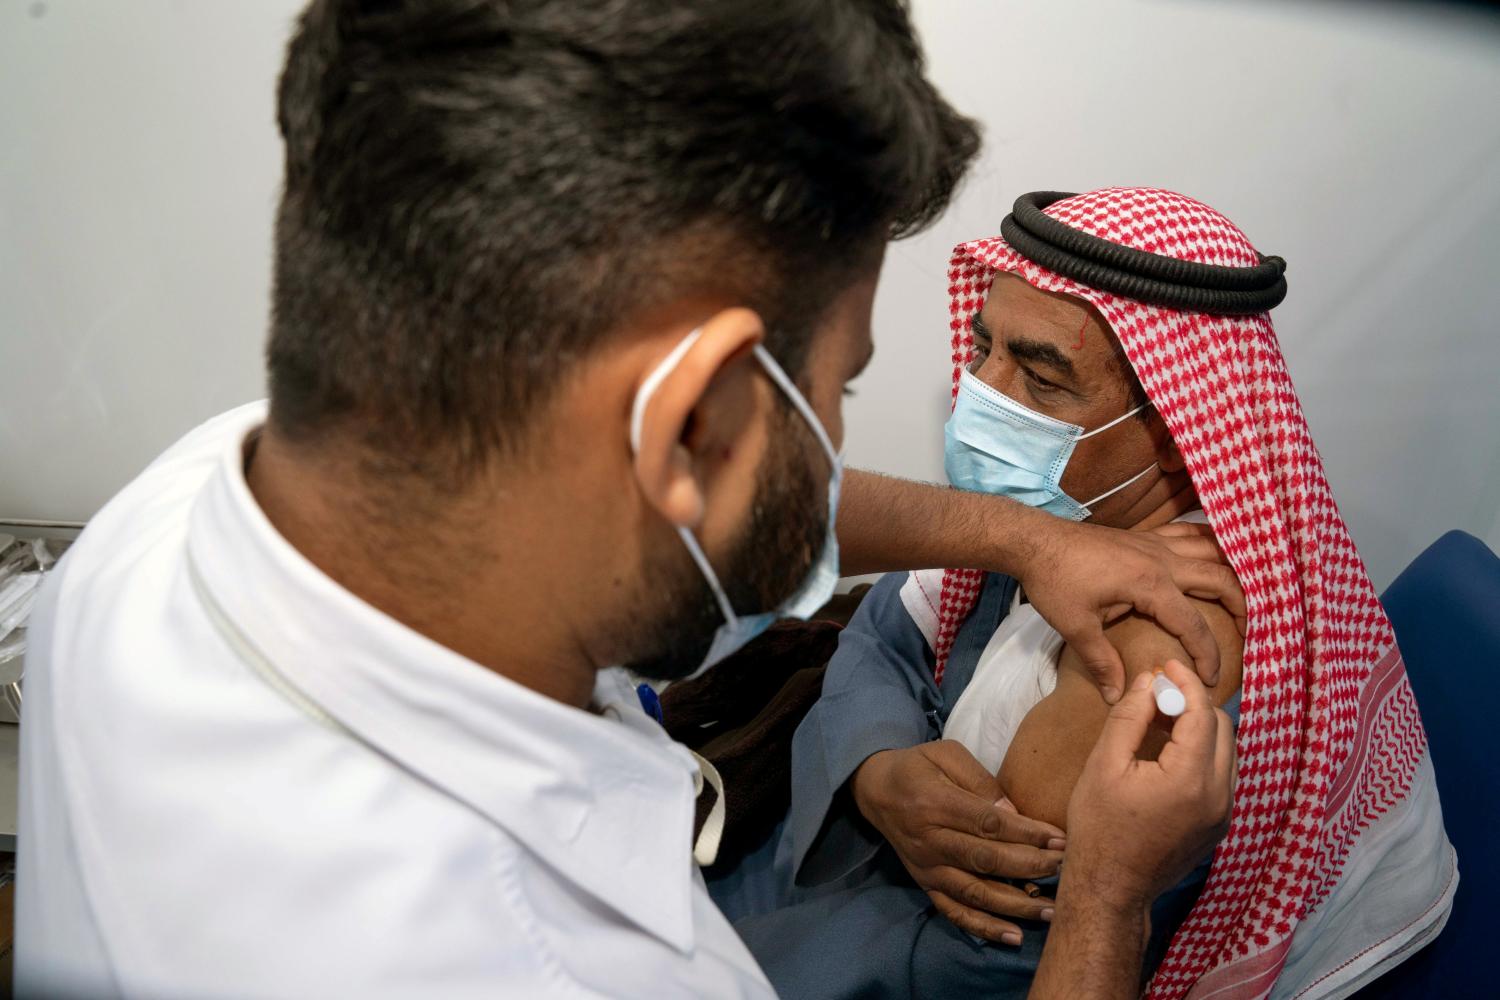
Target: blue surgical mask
(817, 587)
(993, 444)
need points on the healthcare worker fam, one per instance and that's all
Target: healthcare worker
(323, 703)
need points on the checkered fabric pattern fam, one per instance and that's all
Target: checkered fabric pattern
(1329, 737)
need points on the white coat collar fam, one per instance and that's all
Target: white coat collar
(605, 800)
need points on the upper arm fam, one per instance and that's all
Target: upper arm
(1145, 646)
(1055, 739)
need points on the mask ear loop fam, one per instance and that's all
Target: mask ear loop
(1118, 420)
(652, 383)
(1099, 430)
(637, 417)
(710, 577)
(787, 386)
(783, 382)
(799, 402)
(1109, 493)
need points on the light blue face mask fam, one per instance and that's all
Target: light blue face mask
(817, 587)
(993, 444)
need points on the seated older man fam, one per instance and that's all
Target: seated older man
(1030, 711)
(1113, 361)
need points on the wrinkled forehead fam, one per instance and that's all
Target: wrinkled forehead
(1064, 333)
(984, 269)
(1015, 290)
(1014, 305)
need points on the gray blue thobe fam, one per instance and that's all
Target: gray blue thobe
(825, 905)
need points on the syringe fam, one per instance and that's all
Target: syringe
(1170, 700)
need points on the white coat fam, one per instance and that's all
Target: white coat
(238, 779)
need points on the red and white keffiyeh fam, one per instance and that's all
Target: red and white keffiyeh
(1329, 738)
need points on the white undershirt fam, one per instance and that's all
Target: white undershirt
(1017, 669)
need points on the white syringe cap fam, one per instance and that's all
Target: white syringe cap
(1170, 700)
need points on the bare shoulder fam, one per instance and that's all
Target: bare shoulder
(1144, 646)
(1055, 738)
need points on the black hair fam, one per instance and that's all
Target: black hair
(479, 192)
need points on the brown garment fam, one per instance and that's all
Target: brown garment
(741, 716)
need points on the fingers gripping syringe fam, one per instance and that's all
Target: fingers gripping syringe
(1170, 700)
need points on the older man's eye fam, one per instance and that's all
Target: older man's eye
(980, 343)
(1037, 382)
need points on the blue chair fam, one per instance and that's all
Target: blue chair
(1445, 608)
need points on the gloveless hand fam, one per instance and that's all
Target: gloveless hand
(1136, 827)
(1080, 577)
(947, 818)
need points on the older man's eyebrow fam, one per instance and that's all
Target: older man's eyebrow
(979, 330)
(1039, 352)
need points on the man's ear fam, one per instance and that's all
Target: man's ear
(664, 456)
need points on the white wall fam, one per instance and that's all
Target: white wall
(139, 161)
(1360, 143)
(139, 164)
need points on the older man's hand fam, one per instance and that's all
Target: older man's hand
(1080, 576)
(947, 818)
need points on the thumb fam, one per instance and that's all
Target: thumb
(963, 769)
(1127, 723)
(1099, 657)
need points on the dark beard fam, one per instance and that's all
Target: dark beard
(787, 529)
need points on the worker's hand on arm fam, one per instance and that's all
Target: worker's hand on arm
(1135, 828)
(943, 813)
(1080, 577)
